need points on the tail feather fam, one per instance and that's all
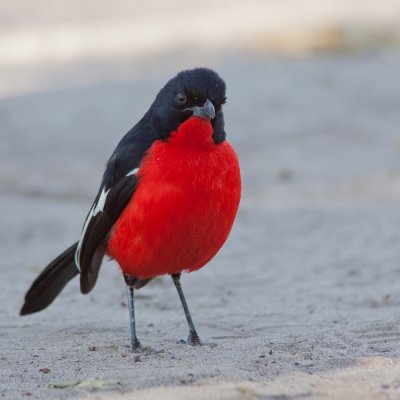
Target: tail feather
(50, 282)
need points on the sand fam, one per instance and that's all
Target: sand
(302, 302)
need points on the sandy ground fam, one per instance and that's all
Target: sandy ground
(302, 302)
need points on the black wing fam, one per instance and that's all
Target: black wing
(118, 185)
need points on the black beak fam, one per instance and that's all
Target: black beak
(206, 111)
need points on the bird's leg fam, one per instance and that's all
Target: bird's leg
(130, 287)
(135, 344)
(193, 338)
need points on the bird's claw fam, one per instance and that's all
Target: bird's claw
(136, 347)
(194, 339)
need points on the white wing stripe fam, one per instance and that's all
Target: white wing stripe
(100, 202)
(133, 172)
(96, 208)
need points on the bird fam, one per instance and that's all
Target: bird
(167, 200)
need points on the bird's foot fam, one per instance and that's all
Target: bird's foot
(194, 340)
(136, 347)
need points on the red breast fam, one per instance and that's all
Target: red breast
(184, 207)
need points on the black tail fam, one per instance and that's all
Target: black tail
(50, 282)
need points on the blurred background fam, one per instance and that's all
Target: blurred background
(303, 77)
(314, 113)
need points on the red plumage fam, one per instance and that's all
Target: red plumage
(184, 207)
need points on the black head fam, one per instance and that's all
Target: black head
(198, 91)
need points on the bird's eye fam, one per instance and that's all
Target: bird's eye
(181, 98)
